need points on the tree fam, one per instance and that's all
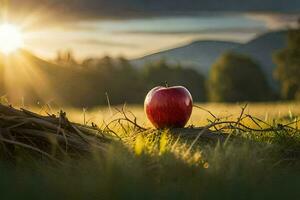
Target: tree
(65, 58)
(236, 78)
(158, 73)
(114, 77)
(288, 66)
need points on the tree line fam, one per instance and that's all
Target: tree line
(233, 78)
(96, 81)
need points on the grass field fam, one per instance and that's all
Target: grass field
(265, 111)
(165, 164)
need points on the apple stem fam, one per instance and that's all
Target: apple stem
(166, 84)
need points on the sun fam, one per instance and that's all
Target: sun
(10, 38)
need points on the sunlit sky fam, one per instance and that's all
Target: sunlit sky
(133, 37)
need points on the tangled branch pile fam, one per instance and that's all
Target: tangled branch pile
(217, 129)
(51, 136)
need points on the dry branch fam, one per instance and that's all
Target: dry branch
(26, 130)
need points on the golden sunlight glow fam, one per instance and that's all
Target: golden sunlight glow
(10, 38)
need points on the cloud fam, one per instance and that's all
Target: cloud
(66, 10)
(276, 20)
(200, 31)
(105, 43)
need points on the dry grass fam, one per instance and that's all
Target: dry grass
(265, 111)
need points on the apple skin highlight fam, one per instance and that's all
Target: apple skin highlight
(168, 107)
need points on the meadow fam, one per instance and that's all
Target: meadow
(144, 163)
(265, 111)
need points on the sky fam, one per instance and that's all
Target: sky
(133, 28)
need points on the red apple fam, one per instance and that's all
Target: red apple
(168, 107)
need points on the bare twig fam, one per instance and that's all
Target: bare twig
(196, 106)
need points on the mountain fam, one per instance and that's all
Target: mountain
(23, 58)
(200, 55)
(25, 76)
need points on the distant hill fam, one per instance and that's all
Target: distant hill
(23, 58)
(23, 75)
(200, 55)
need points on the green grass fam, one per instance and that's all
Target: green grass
(237, 171)
(155, 164)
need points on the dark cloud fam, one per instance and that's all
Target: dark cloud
(61, 10)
